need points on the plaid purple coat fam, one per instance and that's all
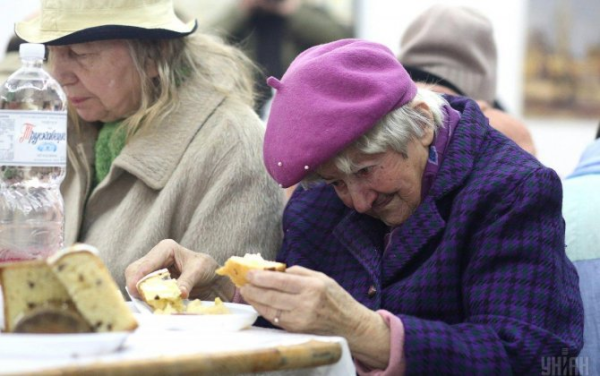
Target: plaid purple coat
(478, 274)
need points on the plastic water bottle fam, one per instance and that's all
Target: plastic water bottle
(33, 156)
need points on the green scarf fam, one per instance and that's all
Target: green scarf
(111, 141)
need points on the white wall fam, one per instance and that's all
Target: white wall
(559, 142)
(10, 12)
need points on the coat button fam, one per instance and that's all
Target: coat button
(372, 291)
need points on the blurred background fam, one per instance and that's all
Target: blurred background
(548, 57)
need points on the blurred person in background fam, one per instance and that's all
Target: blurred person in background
(11, 61)
(431, 242)
(581, 209)
(451, 49)
(273, 32)
(163, 141)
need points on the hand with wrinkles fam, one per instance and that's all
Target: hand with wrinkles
(305, 301)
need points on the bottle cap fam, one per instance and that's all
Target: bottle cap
(31, 51)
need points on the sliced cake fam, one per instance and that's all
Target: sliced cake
(28, 285)
(92, 289)
(161, 292)
(163, 295)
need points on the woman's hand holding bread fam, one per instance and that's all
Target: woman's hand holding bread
(195, 272)
(305, 301)
(299, 300)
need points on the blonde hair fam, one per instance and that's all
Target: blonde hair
(209, 62)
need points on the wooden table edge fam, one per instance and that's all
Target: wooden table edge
(312, 353)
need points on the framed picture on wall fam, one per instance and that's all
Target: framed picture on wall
(562, 60)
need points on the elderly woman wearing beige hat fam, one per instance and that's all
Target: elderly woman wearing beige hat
(451, 49)
(423, 236)
(163, 141)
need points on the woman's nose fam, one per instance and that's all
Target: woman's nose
(61, 71)
(362, 197)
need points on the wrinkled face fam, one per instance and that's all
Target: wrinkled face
(386, 186)
(99, 78)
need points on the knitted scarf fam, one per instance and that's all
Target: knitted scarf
(111, 141)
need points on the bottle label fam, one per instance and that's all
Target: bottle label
(33, 138)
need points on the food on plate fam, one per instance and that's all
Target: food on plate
(197, 307)
(162, 294)
(236, 267)
(70, 285)
(92, 289)
(52, 320)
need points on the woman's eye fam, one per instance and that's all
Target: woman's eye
(363, 172)
(336, 183)
(77, 55)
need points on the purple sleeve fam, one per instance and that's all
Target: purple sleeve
(396, 365)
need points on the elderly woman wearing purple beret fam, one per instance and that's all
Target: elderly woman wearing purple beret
(431, 242)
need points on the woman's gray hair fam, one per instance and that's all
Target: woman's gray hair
(394, 131)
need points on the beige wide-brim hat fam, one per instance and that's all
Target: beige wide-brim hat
(63, 22)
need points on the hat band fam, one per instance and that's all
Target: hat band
(78, 19)
(419, 75)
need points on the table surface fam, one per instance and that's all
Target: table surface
(155, 350)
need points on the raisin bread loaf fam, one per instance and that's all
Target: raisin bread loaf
(27, 286)
(92, 289)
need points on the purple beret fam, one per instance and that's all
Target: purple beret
(330, 96)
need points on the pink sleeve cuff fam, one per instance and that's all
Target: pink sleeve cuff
(397, 365)
(237, 297)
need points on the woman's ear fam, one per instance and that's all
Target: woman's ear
(150, 63)
(151, 68)
(428, 133)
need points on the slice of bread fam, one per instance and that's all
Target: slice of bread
(92, 289)
(161, 292)
(237, 267)
(29, 285)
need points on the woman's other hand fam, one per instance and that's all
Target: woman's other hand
(195, 272)
(304, 301)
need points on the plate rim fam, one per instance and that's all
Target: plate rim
(70, 344)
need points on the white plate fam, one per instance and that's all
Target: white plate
(242, 316)
(59, 345)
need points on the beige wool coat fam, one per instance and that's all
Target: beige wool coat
(197, 178)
